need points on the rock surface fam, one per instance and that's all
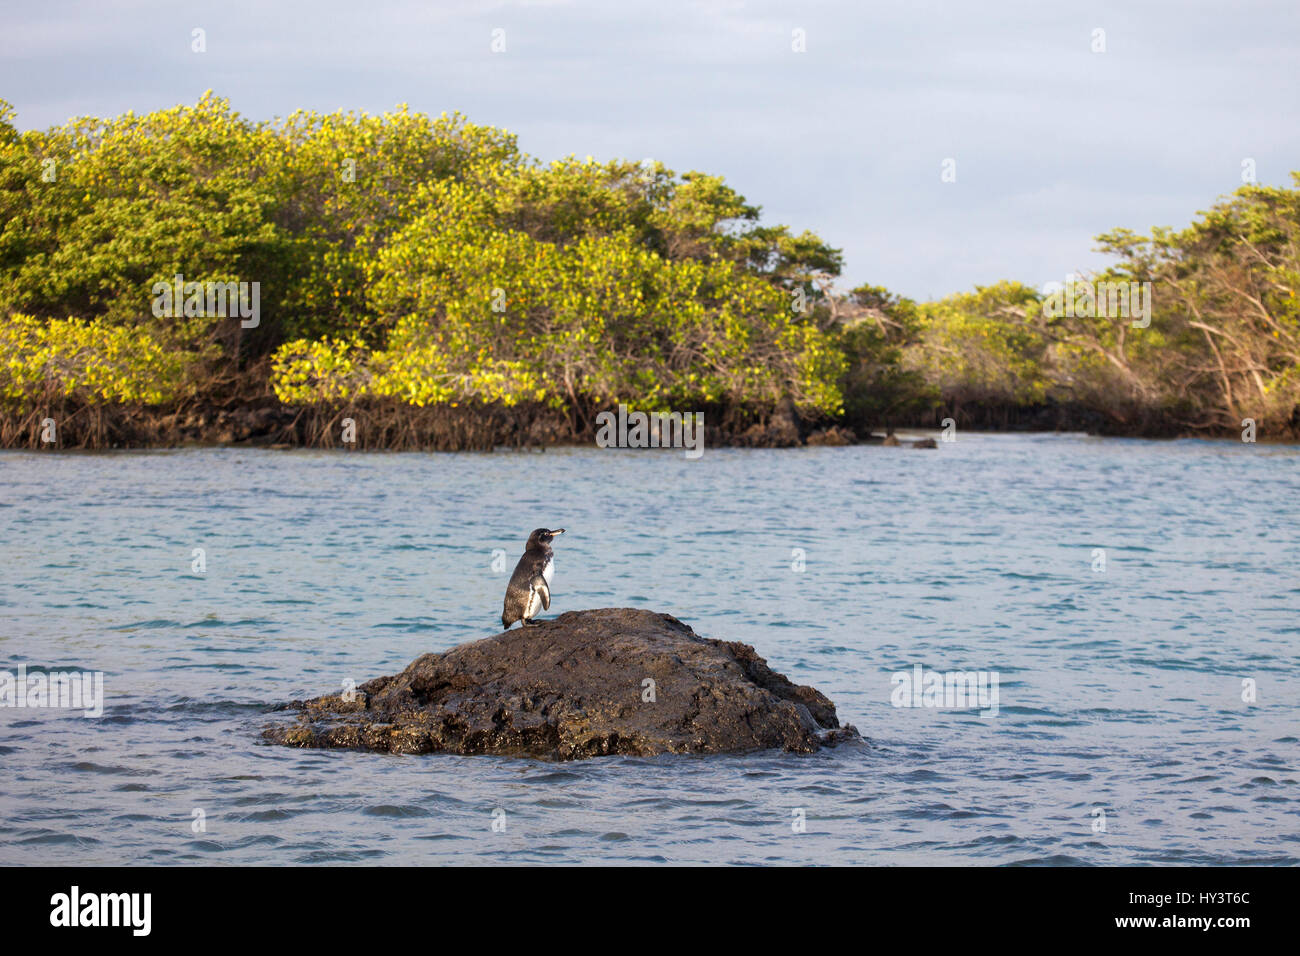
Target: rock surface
(573, 687)
(834, 436)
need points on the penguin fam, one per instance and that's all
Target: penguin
(529, 590)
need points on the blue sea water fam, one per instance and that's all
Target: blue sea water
(1122, 735)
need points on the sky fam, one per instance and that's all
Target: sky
(1051, 140)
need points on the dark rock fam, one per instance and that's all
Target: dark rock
(573, 687)
(782, 433)
(543, 432)
(832, 436)
(778, 433)
(925, 443)
(891, 441)
(785, 429)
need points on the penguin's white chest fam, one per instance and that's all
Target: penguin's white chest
(535, 599)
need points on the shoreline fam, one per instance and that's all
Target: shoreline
(271, 425)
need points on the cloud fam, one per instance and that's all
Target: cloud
(1053, 142)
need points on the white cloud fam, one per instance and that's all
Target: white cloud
(1053, 143)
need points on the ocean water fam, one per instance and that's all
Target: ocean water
(1122, 735)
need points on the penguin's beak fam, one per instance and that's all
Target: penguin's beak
(558, 531)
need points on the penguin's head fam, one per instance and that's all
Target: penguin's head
(542, 537)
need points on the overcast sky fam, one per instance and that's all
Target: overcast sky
(1053, 143)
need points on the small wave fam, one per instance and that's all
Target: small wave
(86, 766)
(394, 810)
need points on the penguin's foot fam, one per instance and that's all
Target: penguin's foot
(528, 623)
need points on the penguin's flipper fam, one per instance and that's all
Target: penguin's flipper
(539, 587)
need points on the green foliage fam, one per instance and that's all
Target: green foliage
(483, 313)
(88, 361)
(983, 345)
(426, 260)
(873, 333)
(97, 211)
(1221, 342)
(416, 258)
(1226, 314)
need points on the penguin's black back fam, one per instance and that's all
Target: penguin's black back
(535, 558)
(530, 566)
